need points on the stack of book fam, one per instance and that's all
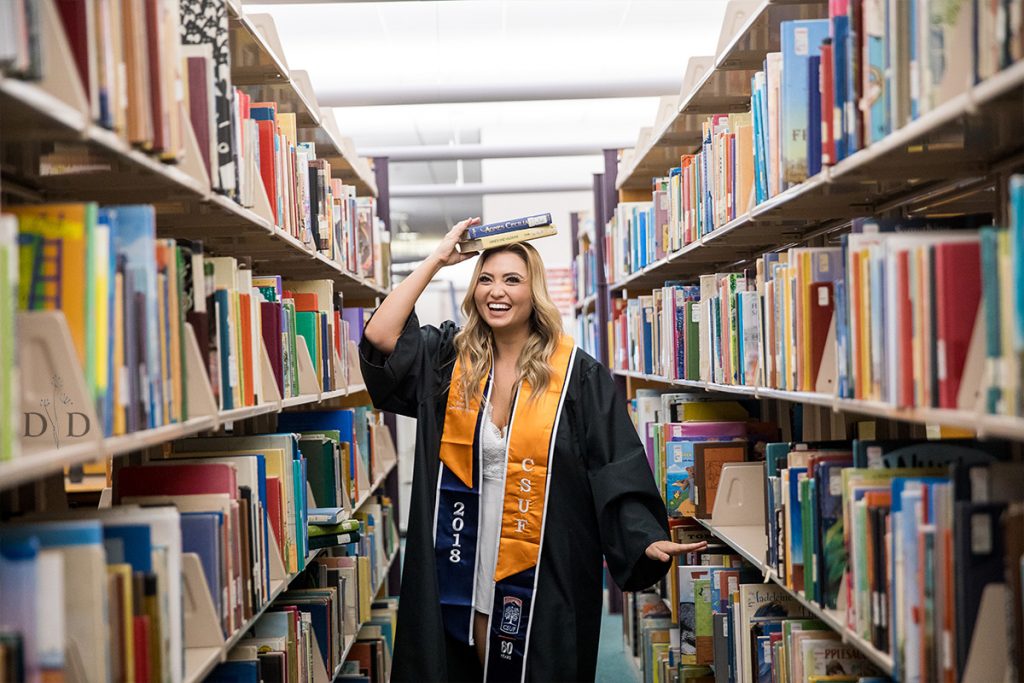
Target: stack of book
(892, 535)
(584, 267)
(838, 85)
(161, 74)
(892, 541)
(103, 590)
(910, 317)
(132, 303)
(329, 610)
(481, 237)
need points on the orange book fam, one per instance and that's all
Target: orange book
(744, 169)
(245, 323)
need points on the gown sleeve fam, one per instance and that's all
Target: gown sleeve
(630, 511)
(399, 382)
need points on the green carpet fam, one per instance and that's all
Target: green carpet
(614, 664)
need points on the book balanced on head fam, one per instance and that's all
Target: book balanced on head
(481, 237)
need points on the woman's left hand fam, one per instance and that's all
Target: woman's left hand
(663, 551)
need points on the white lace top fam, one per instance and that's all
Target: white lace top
(493, 443)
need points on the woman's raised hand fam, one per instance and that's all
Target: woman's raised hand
(445, 254)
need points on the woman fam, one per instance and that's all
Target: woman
(527, 470)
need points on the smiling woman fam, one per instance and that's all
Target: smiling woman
(527, 471)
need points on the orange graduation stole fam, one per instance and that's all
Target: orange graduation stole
(532, 429)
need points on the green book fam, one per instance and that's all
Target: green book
(307, 324)
(347, 526)
(290, 351)
(692, 340)
(321, 469)
(991, 303)
(705, 634)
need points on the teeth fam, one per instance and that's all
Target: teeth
(498, 307)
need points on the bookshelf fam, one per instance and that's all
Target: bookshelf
(200, 661)
(954, 159)
(983, 424)
(54, 150)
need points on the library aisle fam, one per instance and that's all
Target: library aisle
(790, 233)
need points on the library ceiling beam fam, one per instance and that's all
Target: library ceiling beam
(348, 95)
(480, 189)
(483, 151)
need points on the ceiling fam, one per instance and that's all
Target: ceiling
(383, 60)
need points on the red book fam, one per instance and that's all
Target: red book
(905, 334)
(74, 15)
(828, 142)
(141, 637)
(199, 108)
(245, 319)
(267, 131)
(305, 302)
(175, 480)
(822, 307)
(957, 297)
(270, 322)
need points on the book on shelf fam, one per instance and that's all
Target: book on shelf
(100, 591)
(896, 541)
(837, 85)
(10, 394)
(129, 299)
(491, 241)
(911, 317)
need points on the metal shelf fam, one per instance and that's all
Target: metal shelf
(751, 543)
(30, 467)
(985, 425)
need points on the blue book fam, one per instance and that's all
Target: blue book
(875, 15)
(262, 113)
(795, 537)
(648, 338)
(535, 221)
(1017, 252)
(133, 237)
(993, 324)
(830, 547)
(201, 534)
(222, 308)
(801, 40)
(814, 116)
(129, 544)
(244, 671)
(840, 77)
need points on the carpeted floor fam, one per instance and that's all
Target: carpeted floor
(614, 664)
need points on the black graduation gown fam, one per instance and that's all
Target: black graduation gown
(602, 501)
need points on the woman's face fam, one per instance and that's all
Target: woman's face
(502, 294)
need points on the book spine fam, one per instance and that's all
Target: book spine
(480, 231)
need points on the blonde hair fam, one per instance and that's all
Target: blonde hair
(474, 344)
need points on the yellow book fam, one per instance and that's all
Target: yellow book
(55, 259)
(506, 238)
(744, 169)
(102, 285)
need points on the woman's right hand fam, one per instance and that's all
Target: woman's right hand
(445, 254)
